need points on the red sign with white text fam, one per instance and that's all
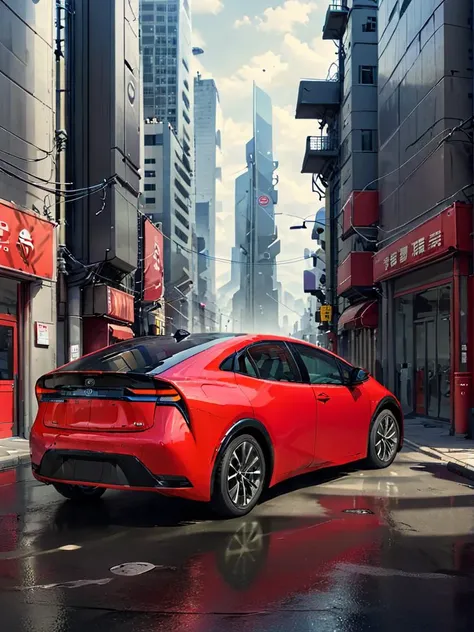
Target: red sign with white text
(449, 231)
(153, 283)
(26, 242)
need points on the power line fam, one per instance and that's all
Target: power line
(432, 208)
(55, 191)
(397, 229)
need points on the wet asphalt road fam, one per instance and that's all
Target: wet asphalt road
(299, 562)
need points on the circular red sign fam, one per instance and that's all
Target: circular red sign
(264, 200)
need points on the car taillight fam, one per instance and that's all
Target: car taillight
(40, 391)
(162, 395)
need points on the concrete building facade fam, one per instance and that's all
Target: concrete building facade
(400, 221)
(208, 174)
(28, 146)
(166, 201)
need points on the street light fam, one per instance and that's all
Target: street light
(304, 226)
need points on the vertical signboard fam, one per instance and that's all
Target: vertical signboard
(153, 286)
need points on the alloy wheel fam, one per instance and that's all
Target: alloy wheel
(386, 438)
(244, 476)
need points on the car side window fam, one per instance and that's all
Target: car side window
(245, 366)
(322, 368)
(274, 362)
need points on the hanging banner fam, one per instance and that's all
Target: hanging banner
(153, 282)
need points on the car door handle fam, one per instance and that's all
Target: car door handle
(322, 397)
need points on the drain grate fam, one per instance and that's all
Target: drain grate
(359, 512)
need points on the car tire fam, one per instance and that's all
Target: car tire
(384, 440)
(231, 500)
(78, 492)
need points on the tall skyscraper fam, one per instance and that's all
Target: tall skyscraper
(258, 280)
(167, 51)
(168, 99)
(208, 171)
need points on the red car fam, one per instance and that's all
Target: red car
(208, 417)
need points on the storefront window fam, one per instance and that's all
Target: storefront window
(423, 352)
(404, 351)
(426, 304)
(444, 352)
(8, 297)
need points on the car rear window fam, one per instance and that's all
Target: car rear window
(154, 354)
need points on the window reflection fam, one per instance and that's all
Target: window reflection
(426, 304)
(423, 352)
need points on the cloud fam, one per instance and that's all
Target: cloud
(198, 39)
(245, 21)
(207, 6)
(266, 69)
(310, 59)
(283, 19)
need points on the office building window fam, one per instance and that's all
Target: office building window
(370, 26)
(150, 200)
(367, 75)
(150, 161)
(150, 187)
(367, 140)
(153, 139)
(150, 174)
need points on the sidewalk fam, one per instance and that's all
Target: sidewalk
(433, 438)
(13, 452)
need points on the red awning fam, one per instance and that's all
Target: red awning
(120, 332)
(362, 315)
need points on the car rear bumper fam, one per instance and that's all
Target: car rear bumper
(102, 468)
(163, 459)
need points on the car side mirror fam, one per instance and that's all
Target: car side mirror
(358, 376)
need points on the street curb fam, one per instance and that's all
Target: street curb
(461, 470)
(455, 467)
(11, 462)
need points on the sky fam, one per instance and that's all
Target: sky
(276, 44)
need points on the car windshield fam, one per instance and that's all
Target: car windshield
(154, 354)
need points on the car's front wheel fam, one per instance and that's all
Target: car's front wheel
(240, 477)
(384, 440)
(79, 492)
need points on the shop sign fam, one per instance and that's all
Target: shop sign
(26, 242)
(447, 231)
(120, 305)
(153, 287)
(326, 313)
(42, 334)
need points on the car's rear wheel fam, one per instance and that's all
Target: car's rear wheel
(240, 477)
(79, 492)
(384, 440)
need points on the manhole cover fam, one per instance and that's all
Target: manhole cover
(359, 512)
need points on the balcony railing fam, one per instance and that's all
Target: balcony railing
(322, 143)
(321, 151)
(336, 21)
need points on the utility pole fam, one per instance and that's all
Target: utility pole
(60, 139)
